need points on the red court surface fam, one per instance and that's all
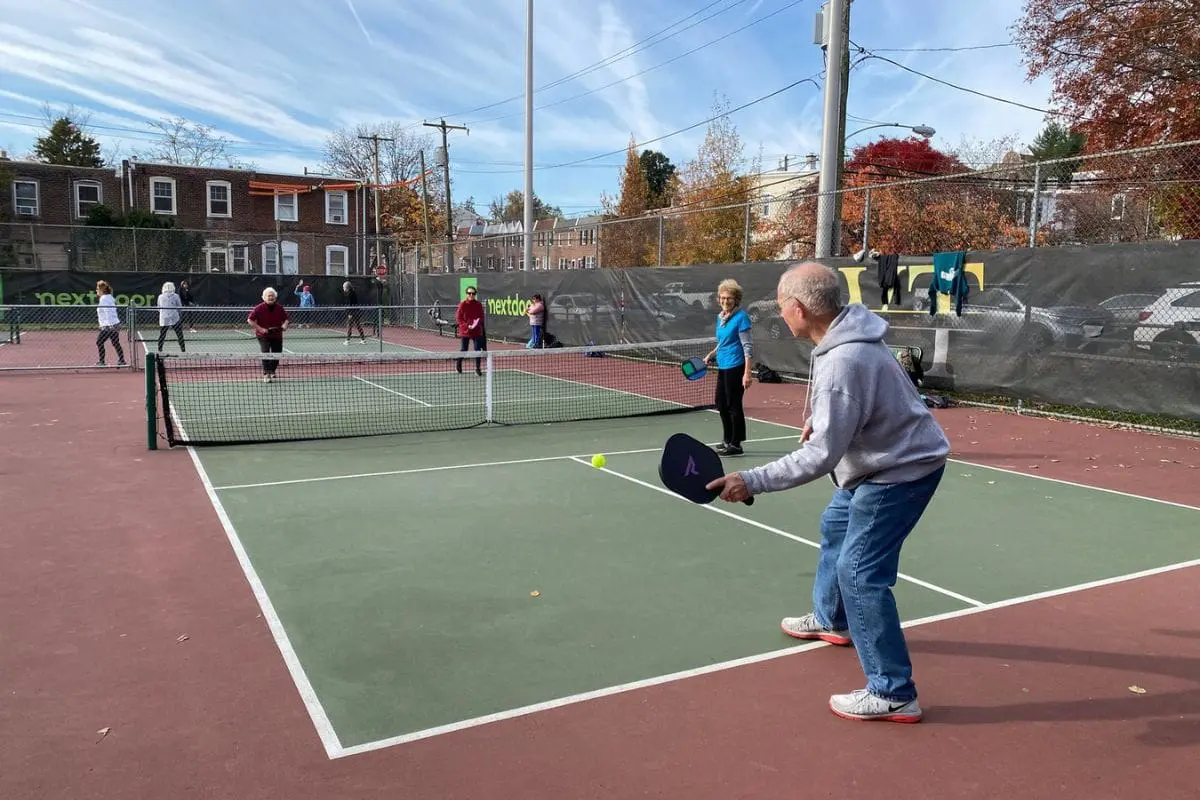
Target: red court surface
(124, 610)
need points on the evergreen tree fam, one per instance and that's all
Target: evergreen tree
(66, 145)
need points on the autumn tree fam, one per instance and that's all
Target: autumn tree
(66, 144)
(632, 242)
(713, 197)
(909, 213)
(1124, 71)
(190, 144)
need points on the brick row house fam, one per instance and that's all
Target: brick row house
(223, 220)
(558, 243)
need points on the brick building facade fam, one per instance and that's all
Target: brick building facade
(222, 220)
(558, 243)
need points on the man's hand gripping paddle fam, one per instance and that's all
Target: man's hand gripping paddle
(688, 466)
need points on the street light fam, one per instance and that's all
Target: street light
(919, 130)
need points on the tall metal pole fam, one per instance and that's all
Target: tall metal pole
(425, 213)
(527, 256)
(376, 139)
(831, 128)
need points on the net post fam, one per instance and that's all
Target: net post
(487, 392)
(151, 400)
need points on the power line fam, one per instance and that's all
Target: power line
(870, 54)
(755, 101)
(649, 69)
(607, 60)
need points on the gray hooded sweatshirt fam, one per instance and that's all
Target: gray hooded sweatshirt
(869, 421)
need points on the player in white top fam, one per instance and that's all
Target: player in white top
(110, 323)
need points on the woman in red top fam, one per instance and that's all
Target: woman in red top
(269, 319)
(470, 327)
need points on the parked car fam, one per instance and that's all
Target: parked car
(1170, 326)
(1000, 320)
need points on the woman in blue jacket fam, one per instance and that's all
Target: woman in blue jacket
(733, 353)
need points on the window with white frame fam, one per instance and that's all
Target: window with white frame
(291, 259)
(220, 198)
(285, 207)
(337, 260)
(216, 257)
(25, 198)
(336, 205)
(87, 195)
(162, 195)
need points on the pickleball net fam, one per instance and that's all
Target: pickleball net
(210, 399)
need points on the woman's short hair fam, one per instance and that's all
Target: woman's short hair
(168, 287)
(732, 287)
(102, 287)
(269, 290)
(346, 286)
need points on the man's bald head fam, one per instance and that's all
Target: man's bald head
(815, 285)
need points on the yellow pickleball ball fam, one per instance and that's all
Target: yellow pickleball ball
(598, 461)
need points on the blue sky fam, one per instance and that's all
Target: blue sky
(276, 76)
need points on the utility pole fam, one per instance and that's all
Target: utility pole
(831, 125)
(425, 212)
(444, 157)
(376, 139)
(527, 252)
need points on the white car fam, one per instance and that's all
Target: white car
(1171, 324)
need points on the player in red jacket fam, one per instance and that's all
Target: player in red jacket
(470, 327)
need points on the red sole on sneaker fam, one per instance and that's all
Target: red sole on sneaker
(824, 637)
(902, 718)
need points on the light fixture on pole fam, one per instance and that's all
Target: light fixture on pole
(920, 130)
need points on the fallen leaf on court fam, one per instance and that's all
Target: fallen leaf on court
(1055, 460)
(535, 593)
(990, 483)
(1137, 690)
(182, 638)
(102, 733)
(1034, 466)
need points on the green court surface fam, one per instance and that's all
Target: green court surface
(401, 569)
(237, 341)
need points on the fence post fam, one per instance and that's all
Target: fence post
(662, 239)
(746, 236)
(1034, 204)
(151, 400)
(866, 218)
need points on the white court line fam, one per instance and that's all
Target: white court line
(316, 712)
(416, 470)
(380, 744)
(769, 529)
(1027, 474)
(393, 391)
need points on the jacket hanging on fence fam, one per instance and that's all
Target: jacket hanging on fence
(888, 279)
(948, 278)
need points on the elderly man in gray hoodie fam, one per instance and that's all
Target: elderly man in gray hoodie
(873, 435)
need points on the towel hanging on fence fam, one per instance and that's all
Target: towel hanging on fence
(948, 278)
(888, 278)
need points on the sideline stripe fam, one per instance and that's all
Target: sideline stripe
(416, 470)
(718, 510)
(308, 694)
(691, 673)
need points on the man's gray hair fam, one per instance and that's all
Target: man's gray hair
(815, 285)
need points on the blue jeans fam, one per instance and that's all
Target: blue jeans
(535, 336)
(862, 531)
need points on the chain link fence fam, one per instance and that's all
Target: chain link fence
(93, 248)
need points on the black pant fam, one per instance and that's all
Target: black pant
(270, 346)
(729, 403)
(353, 319)
(110, 333)
(480, 344)
(162, 334)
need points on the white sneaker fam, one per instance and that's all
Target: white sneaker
(861, 704)
(807, 627)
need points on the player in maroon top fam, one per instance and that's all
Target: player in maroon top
(269, 319)
(470, 327)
